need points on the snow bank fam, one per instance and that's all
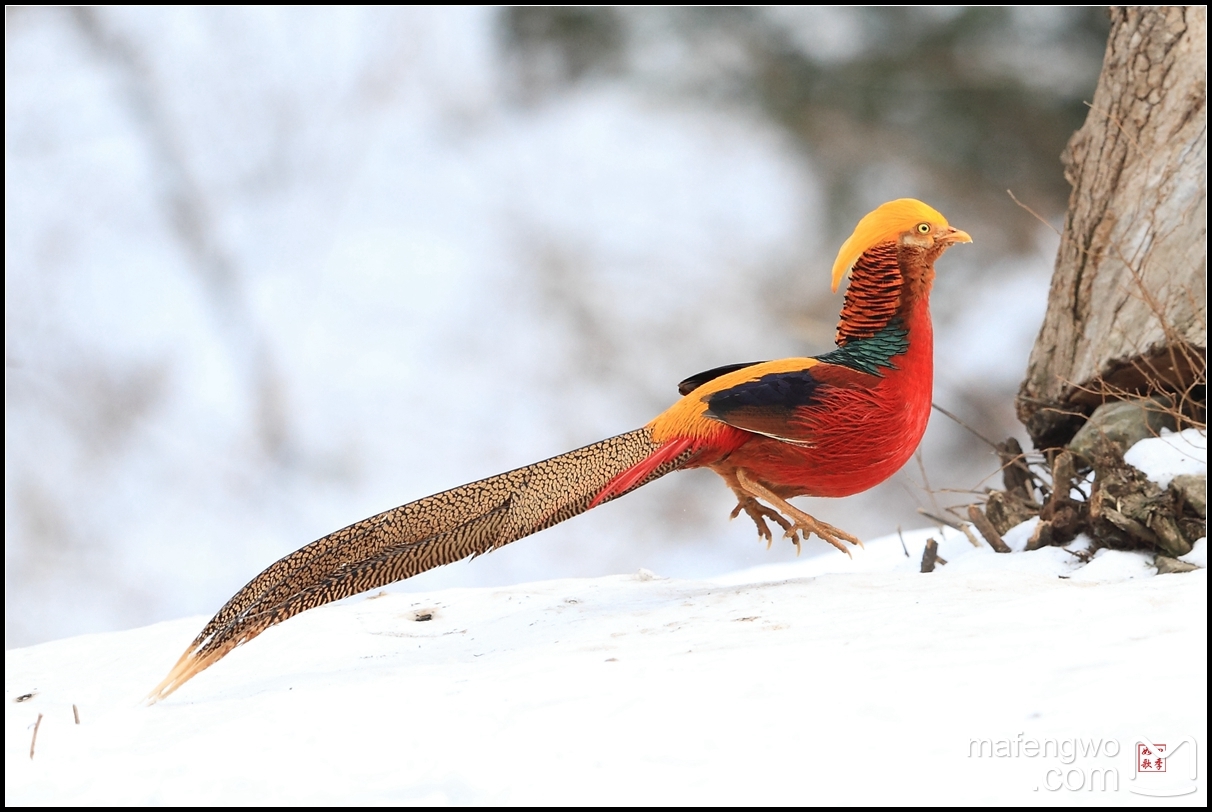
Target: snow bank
(1170, 455)
(824, 681)
(1198, 555)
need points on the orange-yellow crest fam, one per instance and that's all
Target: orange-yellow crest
(885, 224)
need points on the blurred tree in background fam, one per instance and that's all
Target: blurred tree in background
(969, 102)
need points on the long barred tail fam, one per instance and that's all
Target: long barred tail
(449, 526)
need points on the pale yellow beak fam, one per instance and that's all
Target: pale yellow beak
(954, 235)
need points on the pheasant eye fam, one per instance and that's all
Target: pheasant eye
(924, 228)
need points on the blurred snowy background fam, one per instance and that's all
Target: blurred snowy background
(270, 271)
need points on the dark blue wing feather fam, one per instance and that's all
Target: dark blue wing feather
(767, 405)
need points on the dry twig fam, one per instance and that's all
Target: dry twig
(929, 555)
(1032, 212)
(986, 529)
(34, 739)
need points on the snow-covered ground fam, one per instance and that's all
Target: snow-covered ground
(1022, 678)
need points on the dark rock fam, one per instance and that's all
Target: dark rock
(1167, 565)
(1192, 489)
(1125, 423)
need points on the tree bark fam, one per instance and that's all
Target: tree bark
(1127, 311)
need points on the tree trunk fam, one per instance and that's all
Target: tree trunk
(1127, 312)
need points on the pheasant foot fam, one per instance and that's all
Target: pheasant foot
(759, 513)
(796, 523)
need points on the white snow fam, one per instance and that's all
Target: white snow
(1016, 537)
(1116, 565)
(1198, 555)
(1170, 455)
(823, 681)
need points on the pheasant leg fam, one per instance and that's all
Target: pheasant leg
(795, 522)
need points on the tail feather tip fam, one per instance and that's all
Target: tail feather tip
(191, 663)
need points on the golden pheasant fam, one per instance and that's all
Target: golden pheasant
(833, 425)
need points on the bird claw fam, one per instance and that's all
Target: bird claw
(797, 525)
(795, 531)
(759, 513)
(802, 530)
(824, 531)
(794, 535)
